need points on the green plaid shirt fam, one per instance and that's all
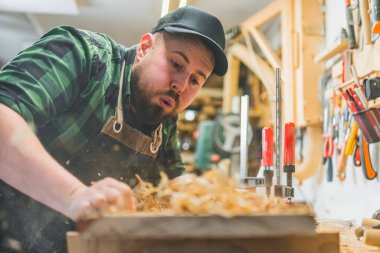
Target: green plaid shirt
(66, 85)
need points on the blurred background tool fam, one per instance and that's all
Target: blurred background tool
(375, 4)
(220, 137)
(246, 181)
(267, 158)
(372, 87)
(356, 157)
(350, 26)
(368, 170)
(328, 151)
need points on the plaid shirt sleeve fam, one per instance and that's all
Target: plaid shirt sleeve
(171, 158)
(41, 80)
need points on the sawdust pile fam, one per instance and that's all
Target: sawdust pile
(212, 193)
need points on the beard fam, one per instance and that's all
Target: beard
(142, 96)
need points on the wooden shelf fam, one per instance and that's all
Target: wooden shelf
(330, 52)
(352, 81)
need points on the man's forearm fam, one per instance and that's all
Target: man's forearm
(26, 165)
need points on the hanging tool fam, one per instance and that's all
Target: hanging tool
(351, 141)
(372, 87)
(375, 4)
(328, 151)
(267, 158)
(376, 215)
(350, 26)
(289, 155)
(356, 157)
(368, 170)
(330, 132)
(342, 160)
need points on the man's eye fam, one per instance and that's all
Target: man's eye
(194, 81)
(176, 65)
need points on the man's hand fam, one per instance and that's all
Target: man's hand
(106, 195)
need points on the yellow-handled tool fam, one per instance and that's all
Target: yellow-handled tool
(351, 141)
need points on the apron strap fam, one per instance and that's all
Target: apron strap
(118, 124)
(134, 139)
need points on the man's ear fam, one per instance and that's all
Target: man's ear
(146, 43)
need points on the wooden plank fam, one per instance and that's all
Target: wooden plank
(261, 17)
(199, 227)
(352, 81)
(230, 82)
(337, 48)
(309, 26)
(289, 61)
(364, 14)
(319, 243)
(75, 242)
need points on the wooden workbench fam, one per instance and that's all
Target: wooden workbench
(348, 241)
(256, 233)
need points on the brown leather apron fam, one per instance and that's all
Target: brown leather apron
(121, 155)
(119, 151)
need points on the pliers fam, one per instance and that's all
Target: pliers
(328, 151)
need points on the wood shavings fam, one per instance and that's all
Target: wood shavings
(212, 193)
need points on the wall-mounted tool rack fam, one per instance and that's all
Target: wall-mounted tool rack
(365, 112)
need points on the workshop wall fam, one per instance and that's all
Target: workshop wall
(16, 33)
(356, 197)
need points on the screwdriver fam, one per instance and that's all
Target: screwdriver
(289, 155)
(267, 157)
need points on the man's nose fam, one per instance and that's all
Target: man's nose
(178, 85)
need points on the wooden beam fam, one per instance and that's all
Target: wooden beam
(288, 60)
(230, 82)
(309, 26)
(257, 65)
(337, 48)
(264, 15)
(364, 15)
(260, 68)
(265, 47)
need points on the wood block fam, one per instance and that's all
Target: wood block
(287, 233)
(372, 237)
(326, 243)
(183, 227)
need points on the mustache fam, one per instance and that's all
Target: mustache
(174, 95)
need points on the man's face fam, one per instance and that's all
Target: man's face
(167, 75)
